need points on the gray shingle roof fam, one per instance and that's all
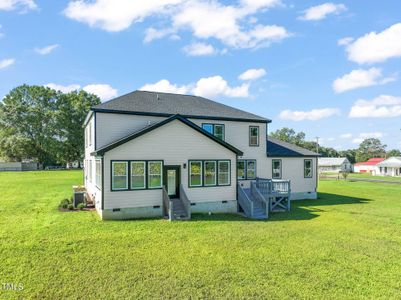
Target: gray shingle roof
(394, 162)
(278, 148)
(165, 104)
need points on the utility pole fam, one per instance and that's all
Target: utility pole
(317, 145)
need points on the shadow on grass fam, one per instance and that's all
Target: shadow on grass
(333, 199)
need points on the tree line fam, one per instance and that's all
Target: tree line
(39, 123)
(368, 148)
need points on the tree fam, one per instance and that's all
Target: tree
(72, 109)
(27, 123)
(393, 152)
(41, 123)
(350, 154)
(289, 135)
(370, 148)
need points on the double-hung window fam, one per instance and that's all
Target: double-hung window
(155, 169)
(308, 173)
(253, 135)
(98, 173)
(119, 175)
(246, 169)
(224, 172)
(138, 175)
(210, 172)
(276, 169)
(195, 173)
(217, 130)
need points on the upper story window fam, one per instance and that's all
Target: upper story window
(217, 130)
(253, 135)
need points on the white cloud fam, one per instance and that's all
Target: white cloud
(345, 41)
(200, 49)
(383, 106)
(103, 91)
(216, 85)
(376, 47)
(22, 5)
(205, 19)
(63, 88)
(360, 78)
(321, 11)
(367, 135)
(252, 74)
(312, 115)
(47, 50)
(165, 86)
(6, 63)
(212, 86)
(346, 136)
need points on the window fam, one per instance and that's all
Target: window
(98, 173)
(250, 169)
(276, 168)
(138, 175)
(90, 133)
(90, 170)
(217, 130)
(119, 175)
(210, 172)
(155, 174)
(86, 136)
(308, 168)
(224, 172)
(246, 169)
(253, 135)
(195, 173)
(241, 169)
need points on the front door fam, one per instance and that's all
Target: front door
(172, 180)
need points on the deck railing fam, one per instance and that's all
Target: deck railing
(185, 201)
(258, 196)
(273, 186)
(245, 202)
(167, 205)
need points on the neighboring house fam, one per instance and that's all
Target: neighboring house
(369, 166)
(390, 167)
(334, 164)
(144, 147)
(19, 166)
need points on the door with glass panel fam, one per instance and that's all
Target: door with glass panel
(172, 181)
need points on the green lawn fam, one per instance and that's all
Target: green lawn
(366, 176)
(346, 245)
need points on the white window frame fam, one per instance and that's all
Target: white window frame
(98, 177)
(280, 169)
(311, 168)
(190, 173)
(228, 172)
(161, 174)
(132, 174)
(112, 175)
(215, 172)
(257, 136)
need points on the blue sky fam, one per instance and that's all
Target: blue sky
(330, 69)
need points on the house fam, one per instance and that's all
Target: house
(390, 167)
(334, 164)
(369, 166)
(151, 154)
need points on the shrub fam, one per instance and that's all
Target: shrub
(64, 203)
(81, 206)
(70, 207)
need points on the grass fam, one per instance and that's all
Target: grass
(368, 176)
(345, 245)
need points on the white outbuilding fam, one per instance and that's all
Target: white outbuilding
(334, 164)
(390, 167)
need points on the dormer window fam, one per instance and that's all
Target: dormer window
(217, 130)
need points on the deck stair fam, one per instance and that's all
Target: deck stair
(176, 208)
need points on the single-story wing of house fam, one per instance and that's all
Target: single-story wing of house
(390, 167)
(150, 154)
(334, 164)
(369, 166)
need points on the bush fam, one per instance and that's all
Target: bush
(64, 203)
(70, 207)
(81, 206)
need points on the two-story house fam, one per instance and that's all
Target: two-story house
(144, 147)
